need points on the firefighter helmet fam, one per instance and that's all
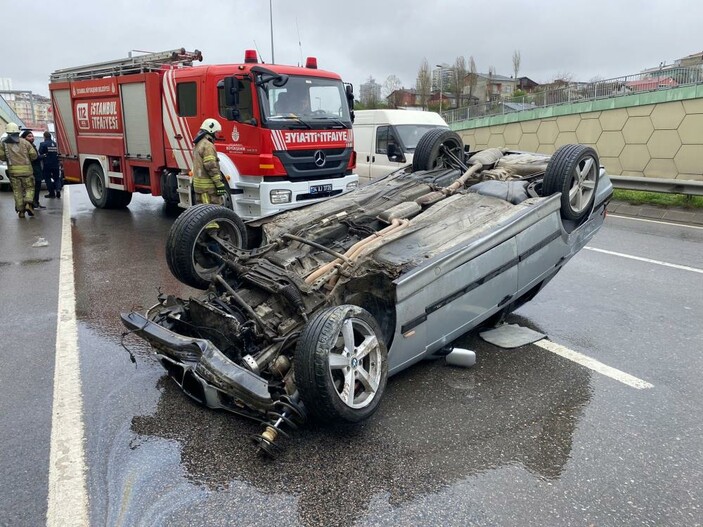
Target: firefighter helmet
(12, 128)
(211, 126)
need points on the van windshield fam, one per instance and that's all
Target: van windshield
(410, 134)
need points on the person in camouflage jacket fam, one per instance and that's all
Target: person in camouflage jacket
(208, 182)
(18, 153)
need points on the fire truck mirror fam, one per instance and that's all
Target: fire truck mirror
(232, 114)
(280, 81)
(350, 95)
(231, 91)
(349, 89)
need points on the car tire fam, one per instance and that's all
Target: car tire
(429, 153)
(573, 171)
(333, 337)
(187, 242)
(101, 196)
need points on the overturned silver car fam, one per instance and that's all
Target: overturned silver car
(306, 313)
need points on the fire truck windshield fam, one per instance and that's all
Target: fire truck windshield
(313, 101)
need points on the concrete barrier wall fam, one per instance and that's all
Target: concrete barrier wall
(655, 134)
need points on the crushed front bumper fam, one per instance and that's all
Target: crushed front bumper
(203, 371)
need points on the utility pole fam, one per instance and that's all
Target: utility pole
(440, 88)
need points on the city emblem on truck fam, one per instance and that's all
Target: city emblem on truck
(319, 158)
(235, 134)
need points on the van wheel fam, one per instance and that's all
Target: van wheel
(439, 148)
(191, 242)
(101, 196)
(573, 170)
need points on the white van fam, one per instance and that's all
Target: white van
(375, 130)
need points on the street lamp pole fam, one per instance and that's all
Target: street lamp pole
(273, 59)
(440, 88)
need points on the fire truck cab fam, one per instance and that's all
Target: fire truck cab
(128, 126)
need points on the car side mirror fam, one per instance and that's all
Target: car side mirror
(394, 153)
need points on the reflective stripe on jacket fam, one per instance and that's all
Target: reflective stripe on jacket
(19, 157)
(206, 167)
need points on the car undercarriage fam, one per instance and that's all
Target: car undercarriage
(299, 312)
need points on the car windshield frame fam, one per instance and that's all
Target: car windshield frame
(304, 102)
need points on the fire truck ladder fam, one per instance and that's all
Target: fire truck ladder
(138, 64)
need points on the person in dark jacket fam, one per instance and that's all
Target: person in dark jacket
(36, 168)
(49, 154)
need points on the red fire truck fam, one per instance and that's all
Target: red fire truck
(127, 126)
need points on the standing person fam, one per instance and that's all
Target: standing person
(36, 168)
(49, 154)
(207, 179)
(19, 154)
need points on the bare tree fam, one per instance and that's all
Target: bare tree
(516, 63)
(390, 91)
(472, 78)
(424, 83)
(563, 77)
(459, 79)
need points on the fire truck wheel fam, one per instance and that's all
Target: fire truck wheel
(101, 196)
(196, 239)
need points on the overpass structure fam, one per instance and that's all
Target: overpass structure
(652, 136)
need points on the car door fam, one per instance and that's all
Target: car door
(363, 141)
(380, 164)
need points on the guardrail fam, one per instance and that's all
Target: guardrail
(667, 186)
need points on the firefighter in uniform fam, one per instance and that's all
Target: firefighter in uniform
(18, 153)
(49, 154)
(208, 182)
(36, 168)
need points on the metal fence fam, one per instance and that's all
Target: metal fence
(566, 93)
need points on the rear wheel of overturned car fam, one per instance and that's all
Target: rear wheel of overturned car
(439, 148)
(573, 170)
(100, 195)
(193, 242)
(341, 365)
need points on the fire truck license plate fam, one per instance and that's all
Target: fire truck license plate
(318, 189)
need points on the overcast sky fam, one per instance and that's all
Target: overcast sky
(356, 38)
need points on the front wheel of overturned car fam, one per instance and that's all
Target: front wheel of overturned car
(341, 365)
(573, 170)
(439, 148)
(195, 241)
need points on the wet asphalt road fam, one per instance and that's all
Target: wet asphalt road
(523, 438)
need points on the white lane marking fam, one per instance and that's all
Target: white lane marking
(68, 498)
(684, 225)
(593, 364)
(647, 260)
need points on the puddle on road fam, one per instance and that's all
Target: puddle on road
(30, 261)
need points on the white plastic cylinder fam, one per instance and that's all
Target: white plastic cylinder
(461, 357)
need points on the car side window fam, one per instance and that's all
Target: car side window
(187, 99)
(382, 137)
